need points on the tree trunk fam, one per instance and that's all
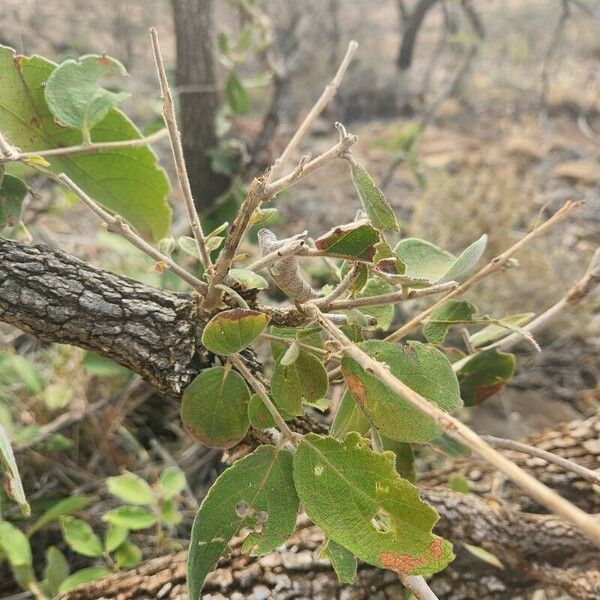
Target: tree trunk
(198, 96)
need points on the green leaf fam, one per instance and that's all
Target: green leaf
(248, 280)
(80, 537)
(304, 381)
(56, 570)
(124, 180)
(449, 312)
(258, 414)
(423, 368)
(15, 545)
(214, 408)
(384, 313)
(348, 417)
(376, 206)
(467, 260)
(424, 260)
(94, 364)
(405, 459)
(130, 517)
(236, 94)
(12, 479)
(233, 330)
(62, 508)
(81, 577)
(355, 240)
(484, 375)
(172, 482)
(128, 555)
(256, 492)
(114, 536)
(342, 561)
(131, 488)
(362, 277)
(459, 483)
(189, 246)
(494, 332)
(359, 500)
(58, 396)
(12, 195)
(74, 94)
(484, 555)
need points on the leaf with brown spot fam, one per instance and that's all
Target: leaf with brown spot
(355, 240)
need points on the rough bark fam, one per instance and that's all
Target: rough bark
(59, 298)
(199, 97)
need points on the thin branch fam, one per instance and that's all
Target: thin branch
(86, 148)
(392, 297)
(344, 285)
(296, 245)
(460, 432)
(418, 586)
(259, 388)
(576, 294)
(346, 141)
(494, 265)
(175, 138)
(567, 465)
(117, 224)
(328, 94)
(7, 151)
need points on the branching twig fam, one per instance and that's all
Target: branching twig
(493, 266)
(344, 285)
(567, 465)
(460, 432)
(294, 246)
(328, 93)
(85, 148)
(118, 225)
(175, 138)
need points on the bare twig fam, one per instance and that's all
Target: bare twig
(493, 266)
(418, 586)
(259, 388)
(294, 246)
(175, 137)
(392, 297)
(344, 285)
(7, 151)
(117, 224)
(578, 292)
(460, 432)
(567, 465)
(85, 148)
(328, 93)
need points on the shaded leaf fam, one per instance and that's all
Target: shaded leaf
(125, 180)
(233, 330)
(75, 95)
(12, 479)
(484, 375)
(376, 206)
(384, 313)
(355, 240)
(303, 381)
(423, 368)
(256, 492)
(214, 407)
(128, 555)
(130, 488)
(80, 537)
(130, 517)
(468, 258)
(169, 513)
(359, 500)
(342, 561)
(405, 458)
(348, 417)
(449, 312)
(12, 195)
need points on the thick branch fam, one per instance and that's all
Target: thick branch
(61, 299)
